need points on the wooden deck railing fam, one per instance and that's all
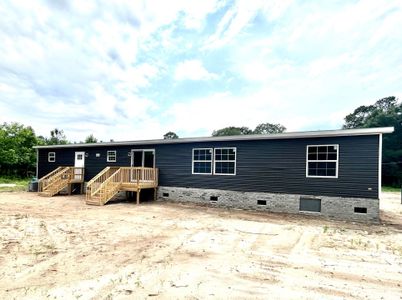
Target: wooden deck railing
(138, 175)
(111, 180)
(56, 179)
(111, 186)
(48, 178)
(94, 184)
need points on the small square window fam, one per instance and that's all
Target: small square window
(51, 157)
(111, 156)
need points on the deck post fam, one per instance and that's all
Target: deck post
(138, 196)
(155, 191)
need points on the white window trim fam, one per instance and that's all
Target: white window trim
(51, 156)
(107, 156)
(336, 161)
(193, 161)
(235, 161)
(143, 156)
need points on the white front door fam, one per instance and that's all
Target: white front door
(79, 163)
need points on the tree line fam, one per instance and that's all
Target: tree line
(18, 158)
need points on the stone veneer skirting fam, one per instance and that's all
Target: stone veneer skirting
(333, 207)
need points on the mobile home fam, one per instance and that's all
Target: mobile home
(335, 173)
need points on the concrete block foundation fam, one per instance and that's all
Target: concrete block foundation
(354, 209)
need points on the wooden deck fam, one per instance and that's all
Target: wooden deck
(59, 179)
(112, 180)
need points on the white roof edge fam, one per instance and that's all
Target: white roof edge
(286, 135)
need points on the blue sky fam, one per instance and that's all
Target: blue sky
(128, 70)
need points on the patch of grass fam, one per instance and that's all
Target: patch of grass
(21, 184)
(16, 180)
(390, 189)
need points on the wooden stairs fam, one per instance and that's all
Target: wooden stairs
(59, 179)
(111, 180)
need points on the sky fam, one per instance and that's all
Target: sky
(127, 70)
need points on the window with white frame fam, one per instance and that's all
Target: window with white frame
(51, 157)
(202, 161)
(322, 161)
(225, 161)
(111, 156)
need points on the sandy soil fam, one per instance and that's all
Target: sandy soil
(60, 248)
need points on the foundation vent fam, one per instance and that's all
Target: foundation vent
(361, 210)
(166, 195)
(261, 202)
(213, 198)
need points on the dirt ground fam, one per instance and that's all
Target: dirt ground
(61, 248)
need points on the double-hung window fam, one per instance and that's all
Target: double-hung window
(202, 161)
(218, 161)
(111, 156)
(225, 161)
(322, 161)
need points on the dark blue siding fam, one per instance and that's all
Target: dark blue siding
(276, 166)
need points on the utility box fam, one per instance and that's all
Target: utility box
(33, 186)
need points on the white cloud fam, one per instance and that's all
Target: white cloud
(240, 15)
(233, 22)
(193, 70)
(224, 109)
(195, 12)
(109, 68)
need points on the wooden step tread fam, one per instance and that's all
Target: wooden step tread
(96, 203)
(45, 194)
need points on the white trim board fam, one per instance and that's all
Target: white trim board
(379, 165)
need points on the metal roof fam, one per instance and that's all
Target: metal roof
(286, 135)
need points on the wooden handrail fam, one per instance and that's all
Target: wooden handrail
(98, 175)
(104, 183)
(50, 174)
(59, 177)
(110, 180)
(48, 180)
(66, 173)
(139, 174)
(94, 185)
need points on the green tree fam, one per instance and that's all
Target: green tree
(170, 135)
(232, 131)
(91, 139)
(263, 128)
(17, 156)
(268, 128)
(385, 112)
(57, 137)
